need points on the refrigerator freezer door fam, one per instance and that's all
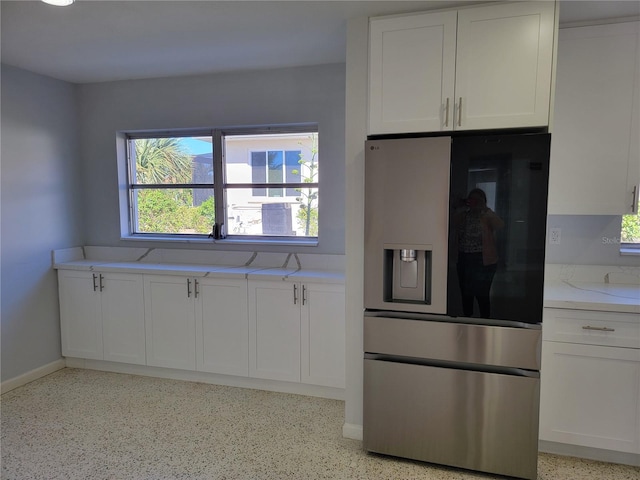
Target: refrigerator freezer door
(406, 209)
(475, 420)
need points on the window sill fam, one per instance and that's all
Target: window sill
(302, 242)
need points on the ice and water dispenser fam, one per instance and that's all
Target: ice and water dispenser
(407, 274)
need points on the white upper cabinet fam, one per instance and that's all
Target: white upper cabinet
(412, 73)
(504, 64)
(485, 67)
(595, 163)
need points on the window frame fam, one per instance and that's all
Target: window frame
(219, 185)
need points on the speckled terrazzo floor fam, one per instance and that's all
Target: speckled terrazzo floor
(83, 424)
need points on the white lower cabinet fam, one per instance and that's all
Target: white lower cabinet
(267, 329)
(323, 335)
(170, 321)
(274, 330)
(102, 316)
(222, 327)
(590, 394)
(297, 332)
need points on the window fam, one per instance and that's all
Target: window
(630, 231)
(249, 183)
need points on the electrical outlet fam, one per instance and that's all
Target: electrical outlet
(554, 236)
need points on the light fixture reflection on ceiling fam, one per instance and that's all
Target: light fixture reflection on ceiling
(59, 3)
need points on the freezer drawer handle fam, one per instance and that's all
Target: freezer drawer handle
(600, 329)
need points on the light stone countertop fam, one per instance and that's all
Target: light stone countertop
(73, 259)
(599, 288)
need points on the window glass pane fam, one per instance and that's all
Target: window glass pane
(259, 171)
(241, 151)
(630, 232)
(293, 165)
(172, 160)
(275, 175)
(291, 216)
(174, 210)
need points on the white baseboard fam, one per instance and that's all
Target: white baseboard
(212, 378)
(352, 431)
(589, 453)
(32, 375)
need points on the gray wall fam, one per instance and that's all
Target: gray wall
(588, 240)
(292, 95)
(40, 212)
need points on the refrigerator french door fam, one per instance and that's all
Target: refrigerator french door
(454, 268)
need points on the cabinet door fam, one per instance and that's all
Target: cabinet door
(274, 330)
(504, 65)
(323, 335)
(633, 177)
(170, 322)
(222, 326)
(123, 318)
(590, 396)
(594, 146)
(80, 314)
(411, 73)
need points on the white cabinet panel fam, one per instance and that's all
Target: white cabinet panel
(80, 314)
(274, 335)
(222, 326)
(484, 67)
(323, 335)
(594, 149)
(504, 64)
(170, 321)
(590, 396)
(297, 332)
(123, 318)
(412, 73)
(102, 316)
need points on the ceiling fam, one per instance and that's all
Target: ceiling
(97, 41)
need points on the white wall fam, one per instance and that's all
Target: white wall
(283, 96)
(356, 118)
(40, 178)
(588, 240)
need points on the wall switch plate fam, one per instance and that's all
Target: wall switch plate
(554, 236)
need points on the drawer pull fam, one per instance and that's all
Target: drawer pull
(599, 329)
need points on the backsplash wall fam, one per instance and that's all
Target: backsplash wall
(587, 240)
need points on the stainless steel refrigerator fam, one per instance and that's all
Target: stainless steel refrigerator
(454, 267)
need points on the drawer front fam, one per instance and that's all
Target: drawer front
(591, 328)
(454, 342)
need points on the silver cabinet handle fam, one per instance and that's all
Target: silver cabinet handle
(95, 285)
(295, 294)
(195, 288)
(304, 295)
(188, 287)
(460, 112)
(101, 282)
(446, 113)
(599, 329)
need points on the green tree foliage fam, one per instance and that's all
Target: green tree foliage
(307, 216)
(165, 161)
(631, 228)
(207, 210)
